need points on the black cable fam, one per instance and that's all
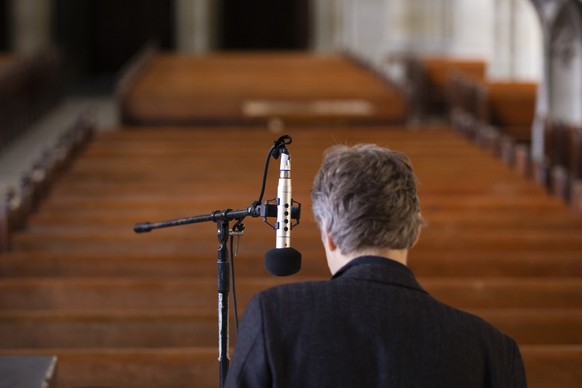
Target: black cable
(274, 151)
(265, 173)
(234, 304)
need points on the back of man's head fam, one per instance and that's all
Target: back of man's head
(365, 197)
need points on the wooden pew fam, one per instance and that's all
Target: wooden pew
(508, 107)
(530, 326)
(109, 328)
(546, 365)
(576, 169)
(497, 114)
(486, 250)
(162, 328)
(563, 161)
(558, 151)
(428, 78)
(257, 88)
(19, 203)
(156, 264)
(133, 367)
(463, 101)
(71, 294)
(29, 87)
(130, 75)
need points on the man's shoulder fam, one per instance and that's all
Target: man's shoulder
(302, 292)
(292, 301)
(301, 287)
(472, 321)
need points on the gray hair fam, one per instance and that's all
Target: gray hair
(365, 197)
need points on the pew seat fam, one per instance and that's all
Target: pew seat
(546, 366)
(466, 262)
(255, 88)
(180, 328)
(184, 293)
(132, 367)
(428, 86)
(496, 245)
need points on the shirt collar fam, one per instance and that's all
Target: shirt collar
(370, 260)
(379, 269)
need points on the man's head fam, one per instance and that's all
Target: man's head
(364, 198)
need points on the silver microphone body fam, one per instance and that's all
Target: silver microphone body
(283, 260)
(284, 202)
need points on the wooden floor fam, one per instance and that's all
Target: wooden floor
(121, 309)
(245, 88)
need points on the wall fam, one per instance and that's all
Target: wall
(504, 32)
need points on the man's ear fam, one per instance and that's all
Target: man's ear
(328, 241)
(417, 238)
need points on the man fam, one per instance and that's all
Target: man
(371, 325)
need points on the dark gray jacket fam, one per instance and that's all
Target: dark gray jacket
(372, 325)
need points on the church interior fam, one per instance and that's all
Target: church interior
(118, 112)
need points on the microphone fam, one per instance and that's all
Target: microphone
(283, 260)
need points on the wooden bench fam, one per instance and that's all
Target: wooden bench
(509, 107)
(546, 365)
(554, 365)
(489, 204)
(18, 203)
(133, 367)
(496, 245)
(109, 328)
(576, 154)
(530, 326)
(563, 162)
(162, 328)
(576, 171)
(256, 88)
(195, 240)
(66, 294)
(29, 87)
(429, 91)
(425, 262)
(130, 74)
(497, 114)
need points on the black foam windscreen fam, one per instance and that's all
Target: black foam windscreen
(283, 261)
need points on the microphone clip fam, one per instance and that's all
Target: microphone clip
(237, 231)
(269, 209)
(279, 146)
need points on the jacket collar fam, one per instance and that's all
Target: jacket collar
(379, 269)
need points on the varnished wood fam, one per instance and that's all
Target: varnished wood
(257, 87)
(496, 244)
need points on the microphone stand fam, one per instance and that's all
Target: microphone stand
(222, 219)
